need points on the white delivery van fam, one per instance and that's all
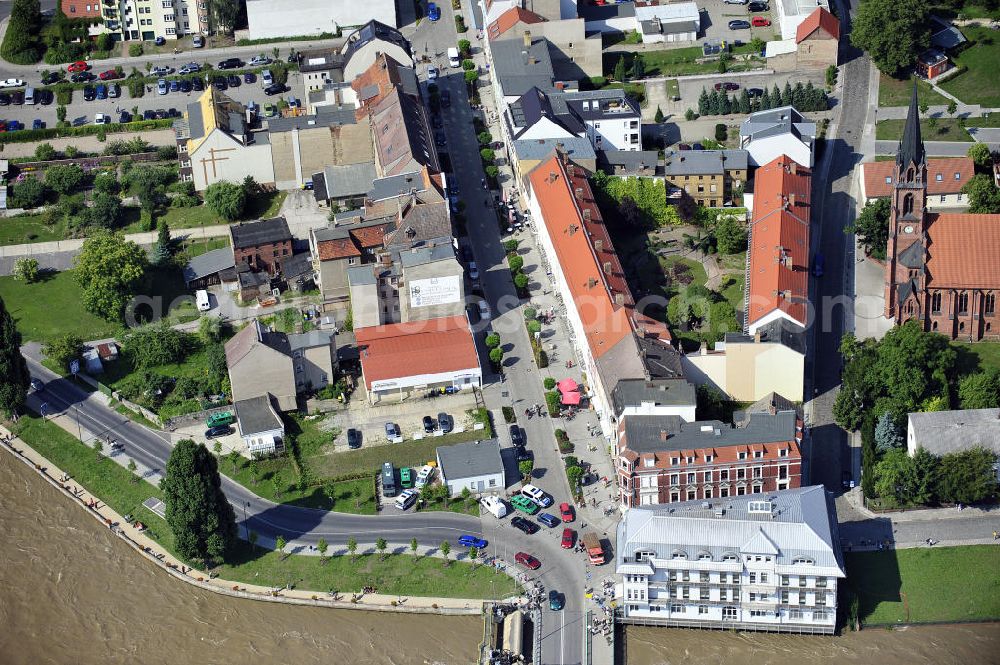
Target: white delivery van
(406, 499)
(424, 476)
(495, 505)
(453, 57)
(201, 297)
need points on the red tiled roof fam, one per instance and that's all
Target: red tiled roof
(779, 240)
(962, 250)
(422, 347)
(369, 236)
(819, 19)
(940, 176)
(341, 248)
(509, 19)
(81, 8)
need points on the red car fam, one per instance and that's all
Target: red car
(78, 66)
(108, 75)
(566, 512)
(528, 561)
(569, 536)
(760, 22)
(727, 86)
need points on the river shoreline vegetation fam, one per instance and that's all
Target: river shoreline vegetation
(396, 573)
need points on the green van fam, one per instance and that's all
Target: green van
(406, 477)
(220, 419)
(524, 504)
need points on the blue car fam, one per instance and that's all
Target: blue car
(549, 520)
(102, 91)
(174, 85)
(471, 541)
(38, 124)
(819, 264)
(433, 11)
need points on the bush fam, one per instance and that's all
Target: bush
(135, 49)
(534, 327)
(33, 135)
(549, 383)
(104, 42)
(136, 88)
(460, 24)
(543, 360)
(166, 153)
(508, 414)
(64, 94)
(29, 193)
(515, 262)
(44, 152)
(468, 65)
(721, 133)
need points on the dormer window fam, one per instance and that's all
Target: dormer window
(757, 454)
(741, 455)
(802, 561)
(689, 460)
(679, 555)
(888, 180)
(709, 458)
(648, 463)
(674, 461)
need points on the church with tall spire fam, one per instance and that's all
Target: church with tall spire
(942, 269)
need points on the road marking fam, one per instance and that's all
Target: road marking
(562, 638)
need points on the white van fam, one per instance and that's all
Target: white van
(495, 505)
(29, 96)
(406, 499)
(201, 297)
(424, 476)
(453, 57)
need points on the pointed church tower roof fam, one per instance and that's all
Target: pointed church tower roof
(911, 148)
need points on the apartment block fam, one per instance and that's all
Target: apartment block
(131, 20)
(712, 178)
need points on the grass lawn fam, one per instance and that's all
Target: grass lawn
(923, 585)
(680, 61)
(400, 574)
(695, 268)
(673, 88)
(732, 290)
(261, 206)
(978, 356)
(29, 228)
(896, 92)
(52, 307)
(944, 129)
(197, 246)
(979, 84)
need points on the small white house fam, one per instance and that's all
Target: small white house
(476, 465)
(674, 22)
(260, 425)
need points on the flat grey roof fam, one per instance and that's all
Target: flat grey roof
(662, 392)
(341, 181)
(575, 147)
(310, 340)
(257, 415)
(422, 255)
(326, 116)
(943, 432)
(699, 162)
(386, 188)
(516, 71)
(209, 263)
(467, 460)
(644, 433)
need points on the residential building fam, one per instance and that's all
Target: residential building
(338, 248)
(945, 178)
(261, 360)
(400, 359)
(81, 8)
(944, 432)
(215, 143)
(608, 118)
(793, 13)
(609, 17)
(475, 465)
(712, 178)
(749, 367)
(382, 77)
(261, 245)
(401, 134)
(610, 338)
(625, 163)
(767, 562)
(260, 426)
(529, 153)
(518, 67)
(331, 94)
(669, 22)
(817, 40)
(130, 20)
(321, 66)
(210, 268)
(941, 268)
(302, 145)
(655, 397)
(343, 186)
(932, 63)
(767, 135)
(664, 459)
(778, 257)
(574, 52)
(367, 43)
(268, 19)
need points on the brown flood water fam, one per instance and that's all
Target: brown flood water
(70, 592)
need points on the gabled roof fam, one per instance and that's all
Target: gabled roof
(372, 31)
(962, 250)
(402, 135)
(943, 432)
(663, 392)
(341, 242)
(759, 543)
(648, 434)
(385, 74)
(209, 263)
(399, 350)
(257, 415)
(820, 20)
(941, 176)
(253, 234)
(509, 19)
(574, 147)
(518, 69)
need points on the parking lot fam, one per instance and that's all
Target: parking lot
(716, 15)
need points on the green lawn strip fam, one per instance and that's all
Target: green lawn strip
(896, 92)
(132, 415)
(939, 584)
(978, 356)
(51, 307)
(979, 83)
(680, 61)
(732, 290)
(398, 574)
(944, 129)
(197, 246)
(29, 228)
(409, 453)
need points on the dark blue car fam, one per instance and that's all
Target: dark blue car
(433, 11)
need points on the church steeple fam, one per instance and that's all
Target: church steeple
(911, 148)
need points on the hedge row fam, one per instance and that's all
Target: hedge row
(29, 135)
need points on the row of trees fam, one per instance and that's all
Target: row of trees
(802, 97)
(923, 479)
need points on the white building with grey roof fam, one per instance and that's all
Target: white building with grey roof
(476, 465)
(768, 562)
(767, 135)
(944, 432)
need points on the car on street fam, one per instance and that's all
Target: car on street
(233, 80)
(465, 540)
(161, 70)
(259, 61)
(38, 124)
(760, 22)
(428, 425)
(757, 7)
(819, 264)
(222, 430)
(102, 91)
(81, 77)
(440, 139)
(433, 12)
(392, 433)
(445, 99)
(185, 85)
(249, 77)
(432, 73)
(568, 538)
(51, 77)
(473, 271)
(161, 87)
(78, 66)
(566, 512)
(230, 63)
(274, 89)
(515, 435)
(88, 93)
(11, 83)
(525, 525)
(739, 25)
(556, 600)
(484, 311)
(528, 561)
(549, 520)
(727, 85)
(109, 75)
(445, 423)
(353, 438)
(189, 68)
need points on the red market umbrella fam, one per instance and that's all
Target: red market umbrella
(567, 385)
(571, 398)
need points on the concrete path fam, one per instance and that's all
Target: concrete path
(934, 148)
(963, 111)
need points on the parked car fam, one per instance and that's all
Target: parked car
(175, 85)
(473, 271)
(568, 538)
(392, 433)
(37, 384)
(160, 114)
(114, 91)
(220, 83)
(259, 61)
(160, 41)
(266, 78)
(758, 7)
(161, 87)
(440, 139)
(755, 92)
(197, 41)
(566, 512)
(736, 2)
(17, 97)
(11, 83)
(4, 99)
(185, 85)
(525, 525)
(819, 264)
(101, 91)
(109, 75)
(81, 77)
(683, 146)
(432, 73)
(51, 77)
(727, 85)
(739, 24)
(433, 12)
(445, 98)
(38, 124)
(88, 93)
(270, 110)
(515, 435)
(445, 423)
(523, 454)
(406, 477)
(428, 425)
(697, 146)
(556, 600)
(548, 520)
(197, 84)
(249, 77)
(78, 66)
(437, 122)
(149, 114)
(231, 63)
(760, 22)
(353, 438)
(274, 89)
(233, 80)
(222, 430)
(189, 68)
(528, 561)
(124, 117)
(466, 540)
(14, 126)
(161, 70)
(484, 311)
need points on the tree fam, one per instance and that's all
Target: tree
(63, 349)
(234, 459)
(105, 211)
(352, 546)
(745, 101)
(98, 449)
(872, 228)
(223, 14)
(574, 474)
(413, 546)
(980, 154)
(492, 341)
(162, 251)
(496, 356)
(984, 196)
(445, 550)
(61, 113)
(132, 469)
(703, 103)
(279, 544)
(638, 67)
(526, 467)
(322, 546)
(922, 107)
(893, 32)
(64, 178)
(620, 70)
(109, 269)
(277, 484)
(730, 234)
(765, 100)
(198, 513)
(786, 95)
(488, 155)
(380, 545)
(466, 494)
(980, 390)
(553, 402)
(658, 118)
(515, 263)
(895, 476)
(156, 344)
(29, 193)
(952, 107)
(13, 368)
(44, 152)
(226, 199)
(714, 103)
(689, 115)
(484, 138)
(26, 269)
(521, 281)
(887, 436)
(967, 476)
(629, 211)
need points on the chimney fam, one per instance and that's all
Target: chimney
(591, 283)
(527, 39)
(756, 336)
(703, 349)
(786, 260)
(552, 176)
(598, 244)
(772, 408)
(619, 297)
(793, 168)
(663, 435)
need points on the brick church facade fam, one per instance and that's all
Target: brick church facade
(942, 269)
